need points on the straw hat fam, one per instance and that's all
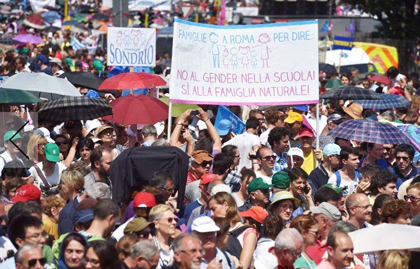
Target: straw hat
(354, 110)
(281, 196)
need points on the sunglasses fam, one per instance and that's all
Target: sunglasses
(411, 197)
(402, 158)
(387, 149)
(205, 163)
(266, 158)
(32, 263)
(61, 143)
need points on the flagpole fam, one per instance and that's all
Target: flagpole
(317, 129)
(169, 121)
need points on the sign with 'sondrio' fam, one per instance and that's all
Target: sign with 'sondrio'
(131, 46)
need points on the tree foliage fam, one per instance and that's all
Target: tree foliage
(400, 18)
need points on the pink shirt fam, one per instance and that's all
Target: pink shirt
(325, 265)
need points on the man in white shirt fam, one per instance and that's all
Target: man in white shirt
(11, 150)
(246, 142)
(265, 164)
(311, 118)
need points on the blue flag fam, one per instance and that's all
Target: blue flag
(223, 113)
(351, 28)
(343, 43)
(325, 28)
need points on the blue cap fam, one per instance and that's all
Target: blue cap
(83, 216)
(224, 127)
(92, 94)
(303, 108)
(331, 149)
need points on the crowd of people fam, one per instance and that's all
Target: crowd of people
(265, 198)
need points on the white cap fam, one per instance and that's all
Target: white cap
(90, 125)
(204, 224)
(220, 188)
(44, 131)
(295, 152)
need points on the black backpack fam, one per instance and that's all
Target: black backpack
(234, 246)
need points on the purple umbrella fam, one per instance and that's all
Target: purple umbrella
(23, 38)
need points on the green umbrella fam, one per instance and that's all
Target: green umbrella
(79, 18)
(178, 109)
(17, 97)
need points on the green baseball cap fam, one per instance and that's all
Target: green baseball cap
(52, 152)
(336, 189)
(9, 134)
(258, 184)
(98, 65)
(281, 180)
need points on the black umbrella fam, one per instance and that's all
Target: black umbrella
(75, 108)
(350, 93)
(328, 69)
(83, 79)
(135, 167)
(51, 29)
(100, 17)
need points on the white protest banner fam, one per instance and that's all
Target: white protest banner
(268, 64)
(131, 46)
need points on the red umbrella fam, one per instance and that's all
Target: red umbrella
(132, 81)
(380, 78)
(137, 109)
(35, 21)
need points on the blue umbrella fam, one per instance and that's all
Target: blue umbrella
(386, 101)
(369, 131)
(72, 23)
(50, 16)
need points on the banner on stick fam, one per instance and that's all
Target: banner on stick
(343, 43)
(131, 46)
(223, 113)
(269, 64)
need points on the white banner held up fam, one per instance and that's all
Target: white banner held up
(131, 46)
(269, 64)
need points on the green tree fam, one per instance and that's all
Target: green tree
(399, 18)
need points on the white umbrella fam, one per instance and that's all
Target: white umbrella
(386, 237)
(41, 85)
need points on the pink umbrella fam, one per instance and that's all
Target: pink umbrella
(28, 38)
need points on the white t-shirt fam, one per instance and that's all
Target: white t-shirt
(266, 179)
(264, 138)
(245, 143)
(53, 179)
(351, 185)
(5, 246)
(119, 232)
(6, 158)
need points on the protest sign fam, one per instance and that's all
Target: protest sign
(131, 46)
(343, 43)
(223, 113)
(269, 64)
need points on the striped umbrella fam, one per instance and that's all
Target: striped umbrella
(75, 108)
(386, 101)
(369, 131)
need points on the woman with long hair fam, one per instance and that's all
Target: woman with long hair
(223, 205)
(35, 148)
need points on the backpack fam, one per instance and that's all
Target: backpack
(234, 246)
(337, 174)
